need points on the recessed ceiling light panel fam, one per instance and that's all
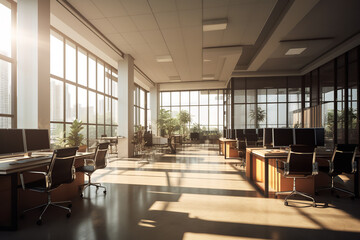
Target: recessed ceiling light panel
(295, 51)
(164, 59)
(214, 25)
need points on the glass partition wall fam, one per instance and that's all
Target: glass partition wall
(83, 87)
(141, 107)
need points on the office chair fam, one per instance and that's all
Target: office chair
(241, 147)
(61, 170)
(251, 140)
(300, 163)
(91, 165)
(342, 161)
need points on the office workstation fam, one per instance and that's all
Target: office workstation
(178, 119)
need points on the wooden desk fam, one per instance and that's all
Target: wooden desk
(14, 199)
(225, 149)
(261, 170)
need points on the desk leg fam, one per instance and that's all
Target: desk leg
(219, 148)
(225, 150)
(266, 191)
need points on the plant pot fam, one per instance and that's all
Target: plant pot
(82, 148)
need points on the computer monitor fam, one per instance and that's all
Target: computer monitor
(260, 133)
(224, 133)
(250, 131)
(232, 134)
(267, 137)
(11, 141)
(37, 139)
(239, 133)
(319, 136)
(305, 136)
(282, 137)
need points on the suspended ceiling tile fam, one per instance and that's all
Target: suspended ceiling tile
(136, 7)
(110, 8)
(214, 13)
(153, 37)
(162, 5)
(87, 8)
(212, 38)
(215, 3)
(188, 4)
(123, 24)
(145, 22)
(190, 18)
(167, 20)
(117, 39)
(133, 38)
(104, 25)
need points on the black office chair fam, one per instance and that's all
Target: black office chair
(342, 161)
(60, 171)
(251, 140)
(241, 147)
(300, 163)
(91, 165)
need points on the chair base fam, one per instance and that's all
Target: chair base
(88, 184)
(295, 192)
(332, 188)
(46, 205)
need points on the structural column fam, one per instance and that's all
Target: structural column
(154, 106)
(126, 106)
(33, 64)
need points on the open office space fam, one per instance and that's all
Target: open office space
(179, 119)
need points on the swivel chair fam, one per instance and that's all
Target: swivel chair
(91, 165)
(300, 163)
(342, 161)
(61, 170)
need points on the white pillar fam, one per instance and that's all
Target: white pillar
(154, 106)
(126, 106)
(33, 67)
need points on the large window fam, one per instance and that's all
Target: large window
(141, 107)
(83, 87)
(7, 64)
(205, 107)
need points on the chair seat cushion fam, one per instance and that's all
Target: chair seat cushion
(38, 185)
(88, 169)
(325, 169)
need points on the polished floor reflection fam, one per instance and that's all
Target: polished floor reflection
(195, 194)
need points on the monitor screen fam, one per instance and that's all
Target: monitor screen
(283, 137)
(320, 136)
(37, 139)
(267, 137)
(260, 132)
(250, 131)
(305, 136)
(232, 133)
(11, 141)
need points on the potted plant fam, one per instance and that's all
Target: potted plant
(169, 126)
(184, 118)
(74, 137)
(257, 116)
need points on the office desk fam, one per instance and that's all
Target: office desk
(13, 198)
(261, 170)
(225, 149)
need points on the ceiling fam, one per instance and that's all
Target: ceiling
(258, 34)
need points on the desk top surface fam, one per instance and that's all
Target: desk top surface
(281, 153)
(227, 140)
(7, 166)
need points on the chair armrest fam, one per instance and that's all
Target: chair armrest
(315, 168)
(91, 161)
(354, 167)
(34, 172)
(284, 164)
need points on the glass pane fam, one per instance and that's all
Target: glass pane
(250, 115)
(261, 118)
(5, 122)
(82, 104)
(204, 115)
(70, 61)
(100, 77)
(70, 109)
(213, 115)
(250, 96)
(175, 99)
(92, 107)
(114, 131)
(185, 98)
(213, 97)
(272, 95)
(194, 97)
(56, 100)
(221, 115)
(56, 54)
(56, 133)
(107, 110)
(282, 115)
(142, 98)
(282, 94)
(107, 80)
(142, 117)
(100, 108)
(204, 98)
(92, 72)
(5, 26)
(108, 131)
(114, 111)
(5, 86)
(114, 89)
(148, 100)
(82, 67)
(271, 114)
(261, 97)
(194, 112)
(294, 117)
(100, 131)
(175, 111)
(294, 94)
(92, 135)
(165, 97)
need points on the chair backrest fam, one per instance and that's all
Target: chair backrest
(100, 155)
(301, 159)
(343, 158)
(61, 169)
(250, 139)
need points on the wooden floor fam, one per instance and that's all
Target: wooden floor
(192, 195)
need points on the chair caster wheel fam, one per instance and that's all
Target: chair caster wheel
(39, 222)
(286, 203)
(70, 205)
(68, 215)
(105, 192)
(314, 205)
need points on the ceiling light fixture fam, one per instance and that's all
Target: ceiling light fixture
(295, 51)
(215, 24)
(207, 60)
(164, 59)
